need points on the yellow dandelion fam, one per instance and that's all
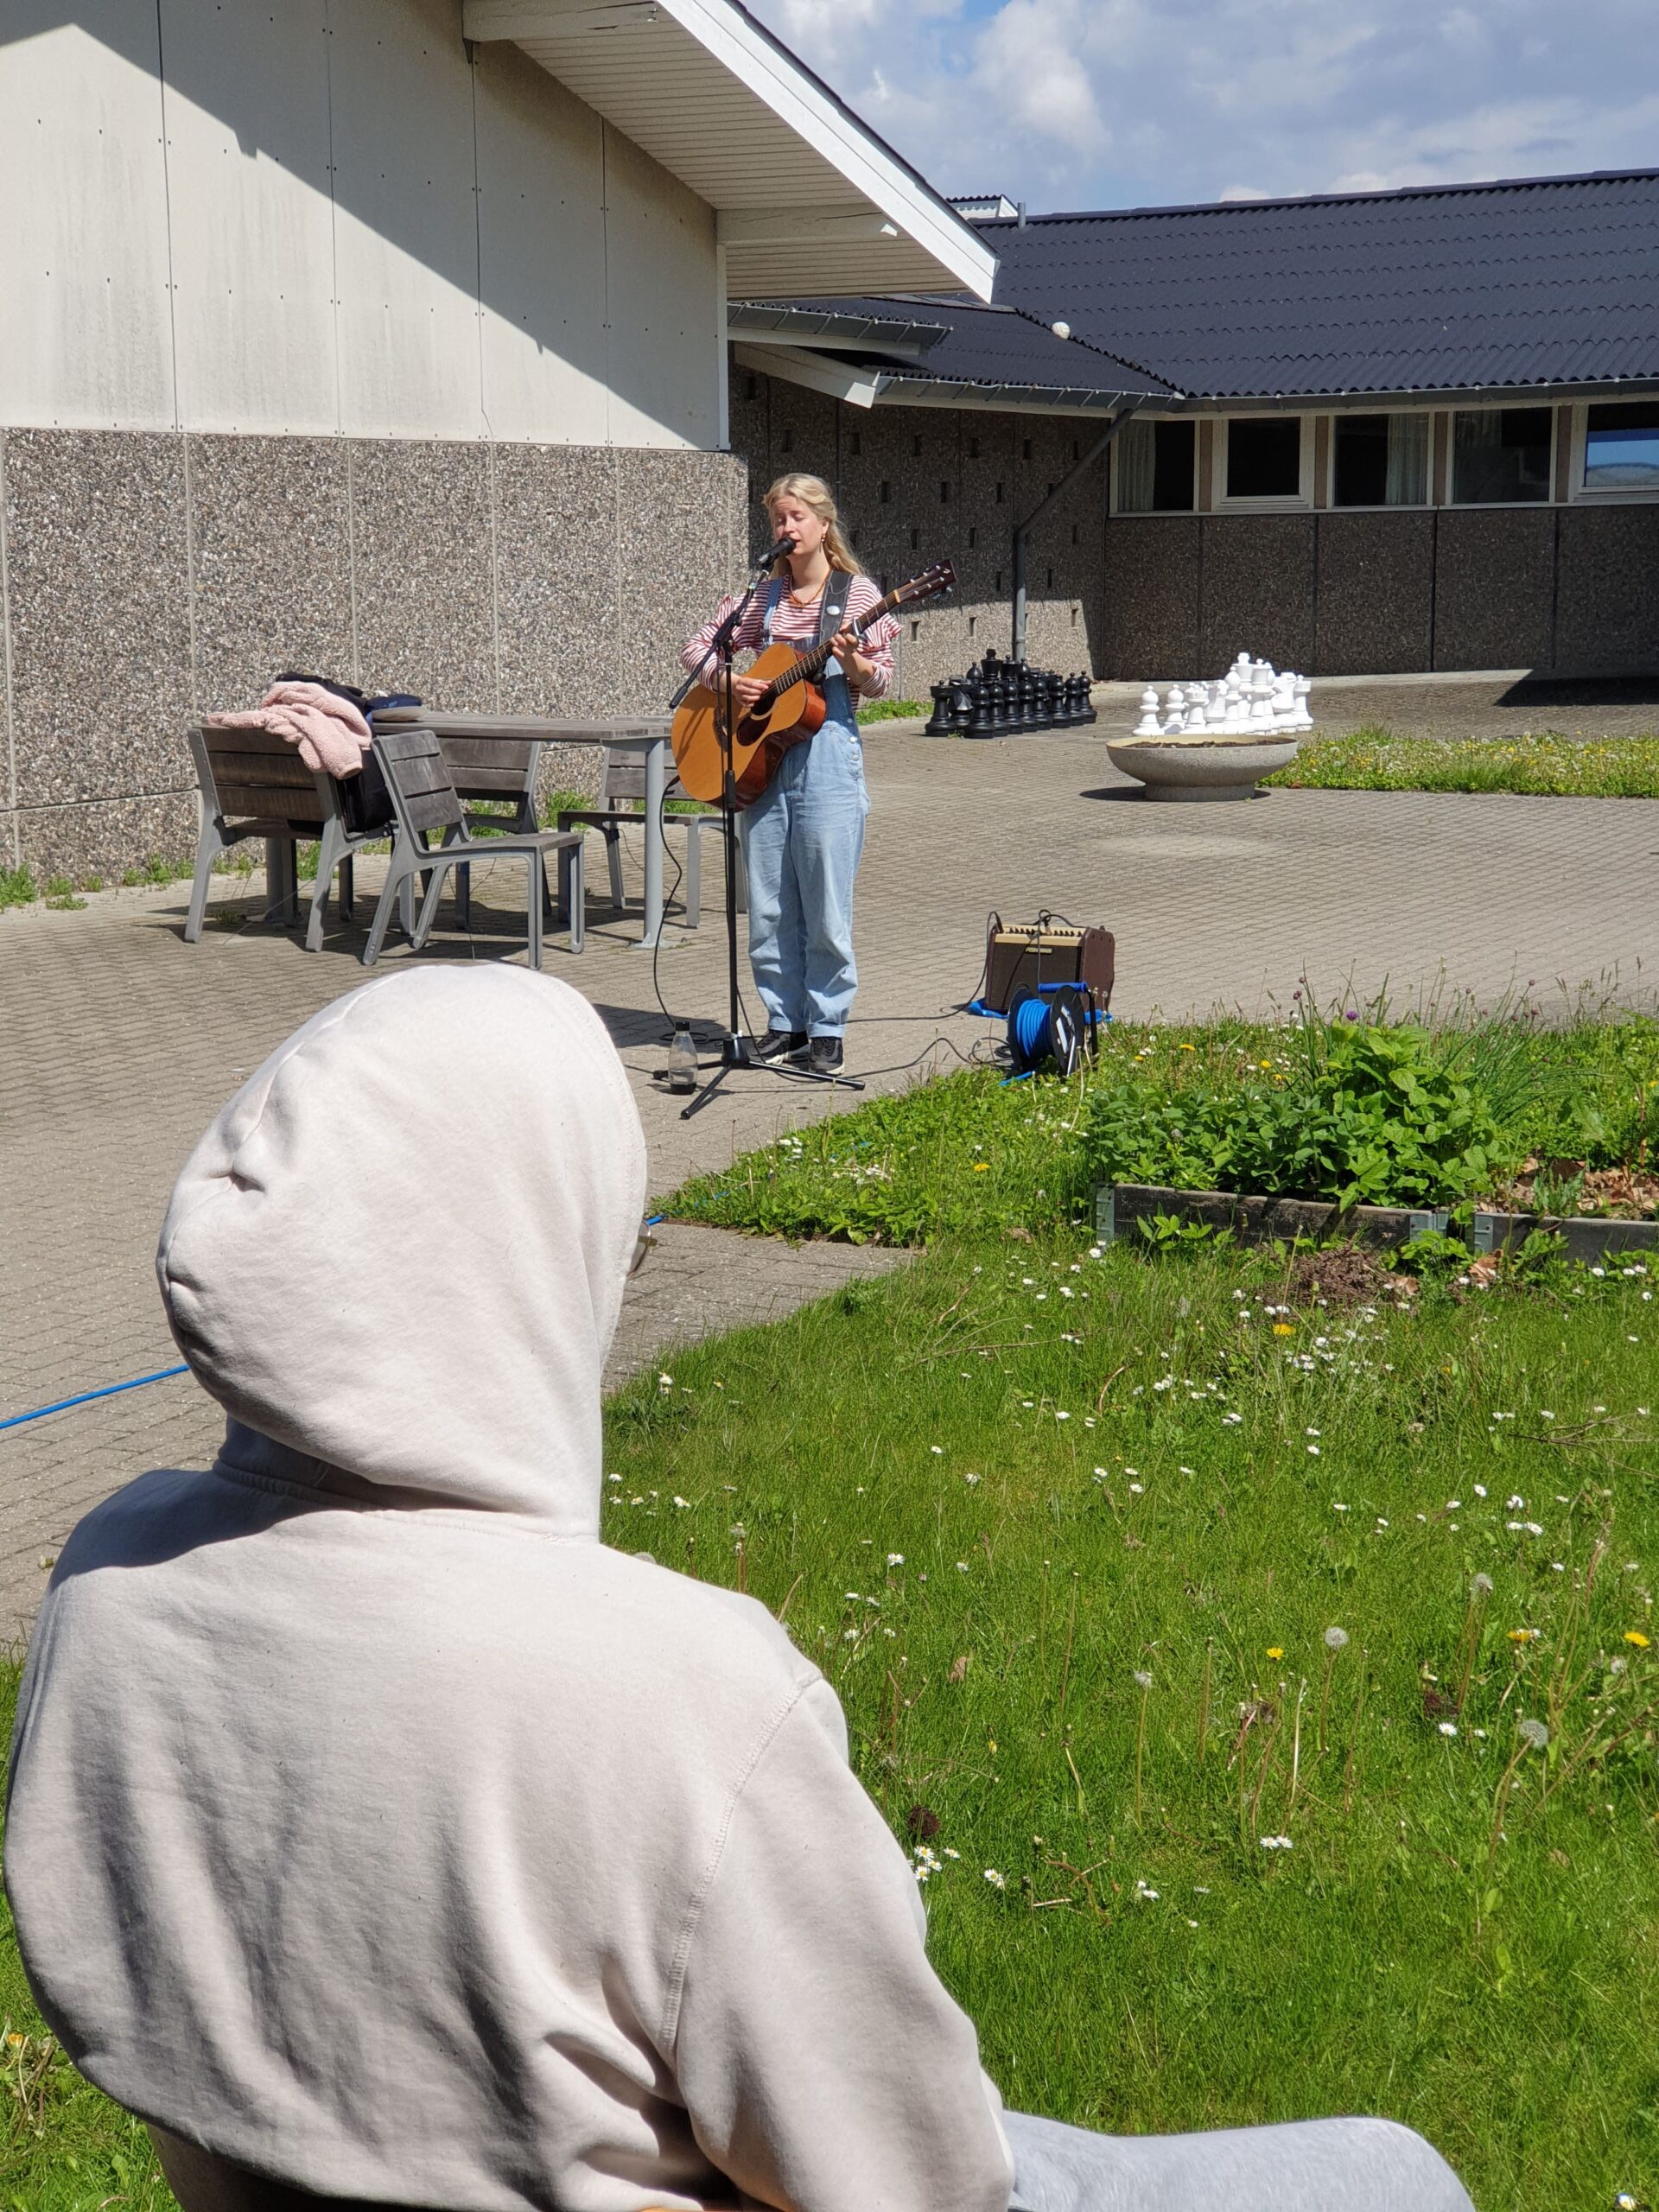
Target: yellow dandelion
(1275, 1651)
(1635, 1636)
(1284, 1328)
(1523, 1634)
(982, 1167)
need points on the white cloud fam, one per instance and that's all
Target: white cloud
(1124, 103)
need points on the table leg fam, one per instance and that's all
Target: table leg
(282, 881)
(656, 783)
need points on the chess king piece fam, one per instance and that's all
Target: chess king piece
(981, 719)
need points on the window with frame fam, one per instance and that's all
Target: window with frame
(1621, 446)
(1264, 457)
(1500, 456)
(1379, 461)
(1155, 467)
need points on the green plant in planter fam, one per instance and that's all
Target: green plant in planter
(1370, 1116)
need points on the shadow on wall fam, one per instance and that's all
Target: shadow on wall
(489, 174)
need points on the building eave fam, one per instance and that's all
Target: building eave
(811, 200)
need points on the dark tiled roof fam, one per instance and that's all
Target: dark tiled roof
(1433, 289)
(990, 346)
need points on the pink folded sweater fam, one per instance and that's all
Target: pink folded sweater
(329, 731)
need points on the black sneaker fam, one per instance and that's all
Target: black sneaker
(824, 1056)
(783, 1044)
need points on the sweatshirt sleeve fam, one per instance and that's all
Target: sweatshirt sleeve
(823, 2066)
(748, 630)
(879, 639)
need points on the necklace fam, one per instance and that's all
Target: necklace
(795, 599)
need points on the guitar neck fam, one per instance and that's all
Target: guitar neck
(812, 665)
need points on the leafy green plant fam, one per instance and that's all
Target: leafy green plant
(1167, 1232)
(60, 893)
(1369, 1115)
(155, 869)
(1433, 1258)
(16, 887)
(892, 710)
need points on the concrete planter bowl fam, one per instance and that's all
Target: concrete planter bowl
(1201, 766)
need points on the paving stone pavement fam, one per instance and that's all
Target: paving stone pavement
(118, 1042)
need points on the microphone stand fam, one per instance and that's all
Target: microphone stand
(737, 1048)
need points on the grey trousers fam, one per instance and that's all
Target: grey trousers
(1312, 2165)
(1315, 2165)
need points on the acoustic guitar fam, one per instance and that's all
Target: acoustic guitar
(789, 711)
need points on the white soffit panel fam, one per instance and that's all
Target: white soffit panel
(845, 380)
(810, 200)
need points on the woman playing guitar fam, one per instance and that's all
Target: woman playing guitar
(802, 837)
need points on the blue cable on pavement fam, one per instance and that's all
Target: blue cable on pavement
(86, 1397)
(114, 1390)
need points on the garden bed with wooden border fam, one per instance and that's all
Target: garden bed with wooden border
(1120, 1207)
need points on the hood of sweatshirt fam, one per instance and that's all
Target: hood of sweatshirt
(400, 1249)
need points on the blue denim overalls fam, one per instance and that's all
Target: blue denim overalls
(801, 840)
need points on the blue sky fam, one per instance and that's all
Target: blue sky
(1125, 103)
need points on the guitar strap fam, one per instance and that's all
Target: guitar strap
(832, 607)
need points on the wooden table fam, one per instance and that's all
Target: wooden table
(646, 734)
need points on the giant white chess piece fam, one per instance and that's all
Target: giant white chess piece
(1148, 725)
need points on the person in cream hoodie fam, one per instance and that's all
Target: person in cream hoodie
(377, 1833)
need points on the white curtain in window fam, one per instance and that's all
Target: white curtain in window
(1135, 444)
(1408, 477)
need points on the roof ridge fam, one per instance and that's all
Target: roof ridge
(1321, 198)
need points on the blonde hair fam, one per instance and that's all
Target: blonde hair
(812, 491)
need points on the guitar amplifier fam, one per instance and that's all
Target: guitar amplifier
(1027, 956)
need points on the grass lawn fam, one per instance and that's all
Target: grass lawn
(1068, 1534)
(1185, 1628)
(1546, 766)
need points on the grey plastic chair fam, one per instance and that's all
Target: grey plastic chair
(621, 802)
(253, 784)
(498, 767)
(425, 799)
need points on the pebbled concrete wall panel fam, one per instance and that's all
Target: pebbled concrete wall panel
(1607, 590)
(1257, 590)
(1494, 586)
(1150, 590)
(271, 538)
(98, 570)
(1375, 594)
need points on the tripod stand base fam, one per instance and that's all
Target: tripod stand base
(738, 1050)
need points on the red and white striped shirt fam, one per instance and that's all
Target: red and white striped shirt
(798, 626)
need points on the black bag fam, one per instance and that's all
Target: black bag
(365, 803)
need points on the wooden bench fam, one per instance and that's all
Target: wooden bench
(254, 784)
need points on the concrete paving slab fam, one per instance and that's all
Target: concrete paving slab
(118, 1042)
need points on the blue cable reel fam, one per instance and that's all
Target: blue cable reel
(1051, 1026)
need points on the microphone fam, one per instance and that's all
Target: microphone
(778, 550)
